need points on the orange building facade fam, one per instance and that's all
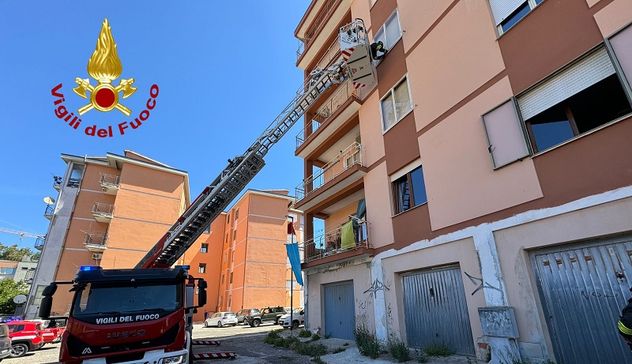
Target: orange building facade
(243, 259)
(109, 211)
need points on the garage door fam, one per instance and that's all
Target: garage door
(583, 289)
(436, 311)
(339, 310)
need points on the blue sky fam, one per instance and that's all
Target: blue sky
(225, 69)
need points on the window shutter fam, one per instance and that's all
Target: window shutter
(577, 77)
(501, 9)
(622, 45)
(505, 135)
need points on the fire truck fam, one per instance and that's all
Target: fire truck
(144, 315)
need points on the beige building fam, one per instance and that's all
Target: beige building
(485, 178)
(110, 211)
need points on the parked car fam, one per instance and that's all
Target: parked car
(5, 341)
(221, 319)
(25, 336)
(241, 315)
(267, 314)
(297, 319)
(52, 330)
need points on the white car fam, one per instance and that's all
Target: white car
(298, 318)
(221, 319)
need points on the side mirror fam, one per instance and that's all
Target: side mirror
(47, 300)
(201, 293)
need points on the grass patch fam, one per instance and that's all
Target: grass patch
(304, 333)
(398, 349)
(368, 344)
(313, 350)
(438, 350)
(293, 343)
(315, 337)
(339, 350)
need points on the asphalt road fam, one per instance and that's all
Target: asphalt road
(232, 338)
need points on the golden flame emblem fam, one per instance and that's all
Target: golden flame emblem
(104, 66)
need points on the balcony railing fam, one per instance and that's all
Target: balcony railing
(102, 212)
(95, 242)
(49, 211)
(327, 109)
(317, 24)
(110, 183)
(349, 157)
(57, 181)
(346, 237)
(39, 242)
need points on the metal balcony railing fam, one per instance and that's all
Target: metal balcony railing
(324, 14)
(95, 241)
(109, 182)
(349, 157)
(327, 109)
(57, 181)
(39, 242)
(49, 211)
(341, 239)
(102, 209)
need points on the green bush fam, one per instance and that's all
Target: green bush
(304, 333)
(315, 337)
(368, 344)
(313, 350)
(438, 350)
(398, 349)
(339, 350)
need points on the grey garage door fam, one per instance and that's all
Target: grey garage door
(436, 311)
(339, 310)
(583, 289)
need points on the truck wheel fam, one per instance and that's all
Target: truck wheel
(18, 350)
(256, 323)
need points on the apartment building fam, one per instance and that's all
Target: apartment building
(478, 195)
(109, 211)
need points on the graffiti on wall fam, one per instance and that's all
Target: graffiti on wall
(375, 287)
(481, 284)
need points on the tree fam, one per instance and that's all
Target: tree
(12, 252)
(8, 290)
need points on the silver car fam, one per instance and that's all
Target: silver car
(221, 319)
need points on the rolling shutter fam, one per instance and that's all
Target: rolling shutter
(505, 135)
(582, 74)
(501, 9)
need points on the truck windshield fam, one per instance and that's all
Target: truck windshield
(121, 299)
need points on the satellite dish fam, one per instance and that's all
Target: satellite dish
(49, 200)
(19, 299)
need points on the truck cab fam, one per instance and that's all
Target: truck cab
(128, 315)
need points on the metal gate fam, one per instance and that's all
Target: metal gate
(583, 289)
(339, 310)
(436, 311)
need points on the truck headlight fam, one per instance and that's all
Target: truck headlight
(178, 359)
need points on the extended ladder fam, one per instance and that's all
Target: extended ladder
(240, 170)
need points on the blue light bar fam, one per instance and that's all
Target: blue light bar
(88, 268)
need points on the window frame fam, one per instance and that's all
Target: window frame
(204, 248)
(533, 4)
(382, 30)
(395, 194)
(202, 268)
(391, 92)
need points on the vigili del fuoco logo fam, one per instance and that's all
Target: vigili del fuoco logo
(104, 66)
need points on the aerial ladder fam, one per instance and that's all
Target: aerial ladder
(145, 314)
(355, 65)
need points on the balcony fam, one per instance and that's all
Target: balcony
(341, 172)
(96, 242)
(316, 30)
(49, 212)
(102, 212)
(332, 114)
(39, 243)
(57, 181)
(110, 183)
(348, 240)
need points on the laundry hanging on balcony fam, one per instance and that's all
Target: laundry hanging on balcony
(347, 236)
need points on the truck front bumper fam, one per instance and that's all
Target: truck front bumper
(152, 357)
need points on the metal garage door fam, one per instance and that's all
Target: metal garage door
(339, 310)
(436, 311)
(583, 289)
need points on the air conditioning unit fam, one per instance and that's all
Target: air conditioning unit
(97, 256)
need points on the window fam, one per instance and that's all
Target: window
(202, 268)
(396, 104)
(204, 248)
(75, 175)
(390, 32)
(227, 218)
(580, 98)
(508, 13)
(231, 278)
(222, 282)
(409, 190)
(236, 214)
(208, 229)
(234, 234)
